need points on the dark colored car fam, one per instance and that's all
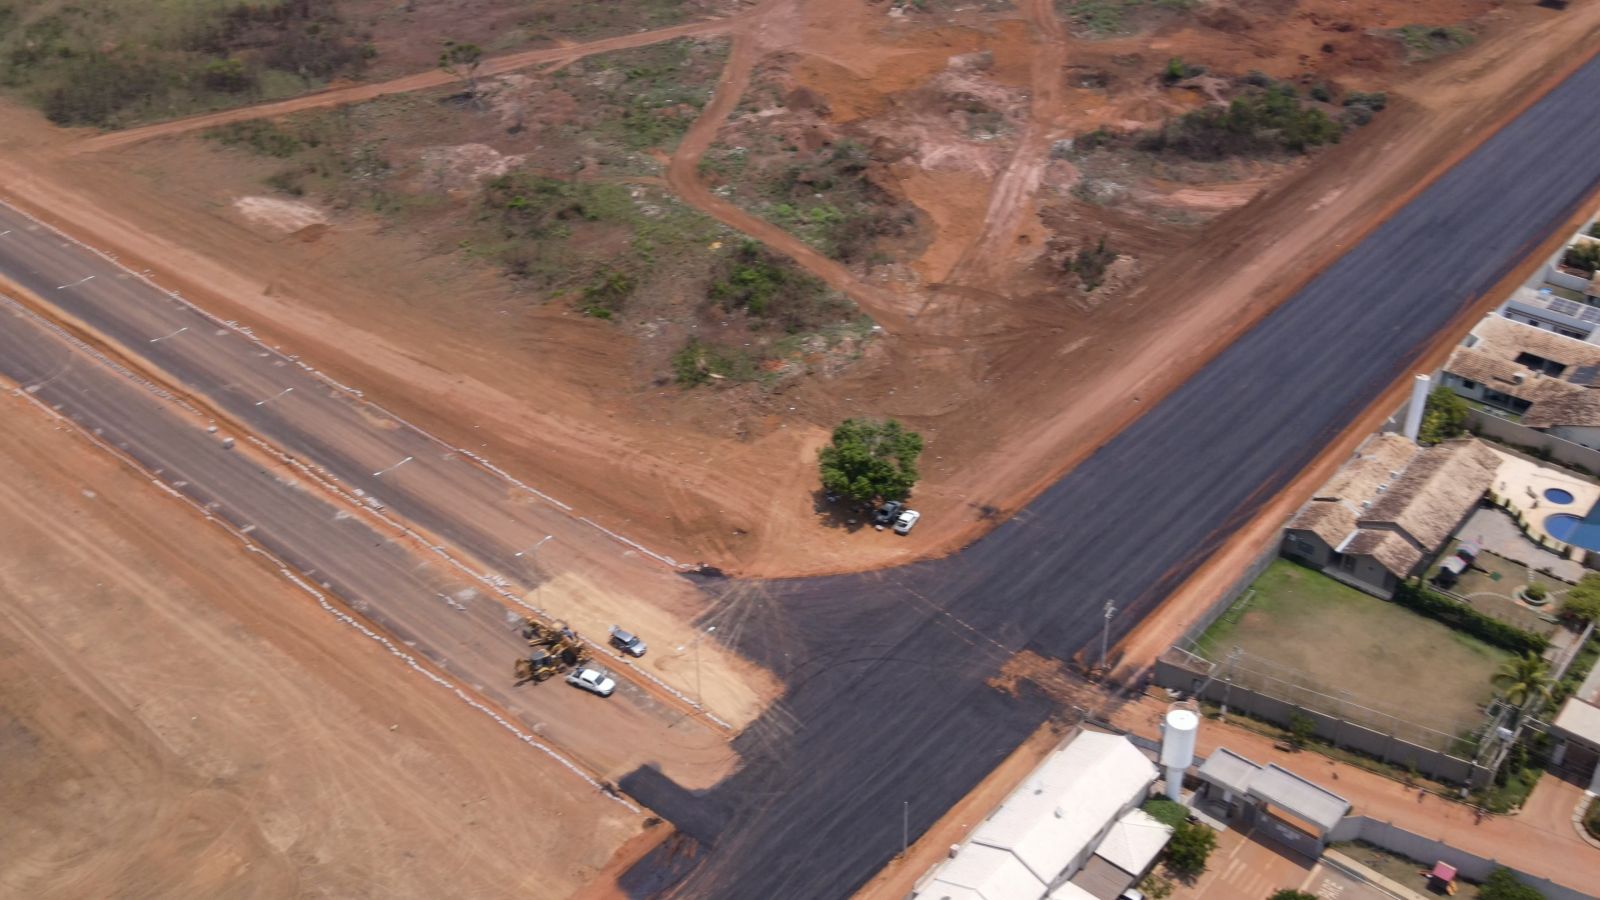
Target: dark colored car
(887, 513)
(627, 642)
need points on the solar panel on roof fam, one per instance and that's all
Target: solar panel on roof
(1565, 307)
(1590, 314)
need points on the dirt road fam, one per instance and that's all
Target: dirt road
(176, 720)
(499, 65)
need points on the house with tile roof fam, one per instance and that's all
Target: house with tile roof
(1390, 510)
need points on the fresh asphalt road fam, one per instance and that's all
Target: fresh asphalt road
(887, 702)
(427, 605)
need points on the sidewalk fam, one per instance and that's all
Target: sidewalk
(1540, 841)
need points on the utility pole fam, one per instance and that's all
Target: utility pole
(905, 829)
(699, 698)
(1105, 633)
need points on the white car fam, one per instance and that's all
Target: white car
(906, 522)
(595, 681)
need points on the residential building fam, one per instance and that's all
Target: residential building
(1576, 730)
(1545, 381)
(1389, 510)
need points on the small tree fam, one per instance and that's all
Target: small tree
(869, 461)
(1523, 678)
(1292, 894)
(1444, 416)
(1503, 885)
(1301, 729)
(463, 61)
(1582, 602)
(1536, 591)
(1190, 847)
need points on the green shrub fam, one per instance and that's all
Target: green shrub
(1464, 618)
(1090, 263)
(770, 289)
(1502, 884)
(1190, 847)
(1536, 591)
(607, 294)
(1444, 416)
(1375, 101)
(700, 362)
(260, 136)
(1256, 123)
(1166, 811)
(1291, 894)
(1583, 255)
(1301, 729)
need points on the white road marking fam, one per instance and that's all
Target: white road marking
(75, 283)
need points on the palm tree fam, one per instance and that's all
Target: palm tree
(1523, 678)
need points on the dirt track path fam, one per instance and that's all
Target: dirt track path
(684, 180)
(561, 55)
(1013, 191)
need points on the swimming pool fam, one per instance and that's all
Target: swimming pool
(1571, 529)
(1558, 496)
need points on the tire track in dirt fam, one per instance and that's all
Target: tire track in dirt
(500, 65)
(1013, 191)
(684, 179)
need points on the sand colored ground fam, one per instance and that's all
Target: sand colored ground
(178, 721)
(964, 364)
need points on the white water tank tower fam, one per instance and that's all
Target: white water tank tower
(1177, 747)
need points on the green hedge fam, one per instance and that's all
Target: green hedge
(1462, 617)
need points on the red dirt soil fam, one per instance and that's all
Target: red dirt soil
(177, 720)
(1008, 383)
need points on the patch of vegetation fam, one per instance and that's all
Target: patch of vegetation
(260, 136)
(1177, 70)
(1166, 811)
(1583, 256)
(645, 98)
(869, 461)
(1578, 670)
(1513, 782)
(1591, 818)
(700, 362)
(1423, 42)
(1464, 618)
(1502, 884)
(1104, 18)
(833, 205)
(1444, 415)
(1190, 847)
(1090, 264)
(1258, 122)
(112, 63)
(771, 290)
(1291, 894)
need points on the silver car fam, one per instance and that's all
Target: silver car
(595, 681)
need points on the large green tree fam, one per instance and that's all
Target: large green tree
(1583, 599)
(869, 461)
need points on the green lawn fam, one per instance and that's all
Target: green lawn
(1335, 638)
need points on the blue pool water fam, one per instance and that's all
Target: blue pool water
(1557, 495)
(1568, 528)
